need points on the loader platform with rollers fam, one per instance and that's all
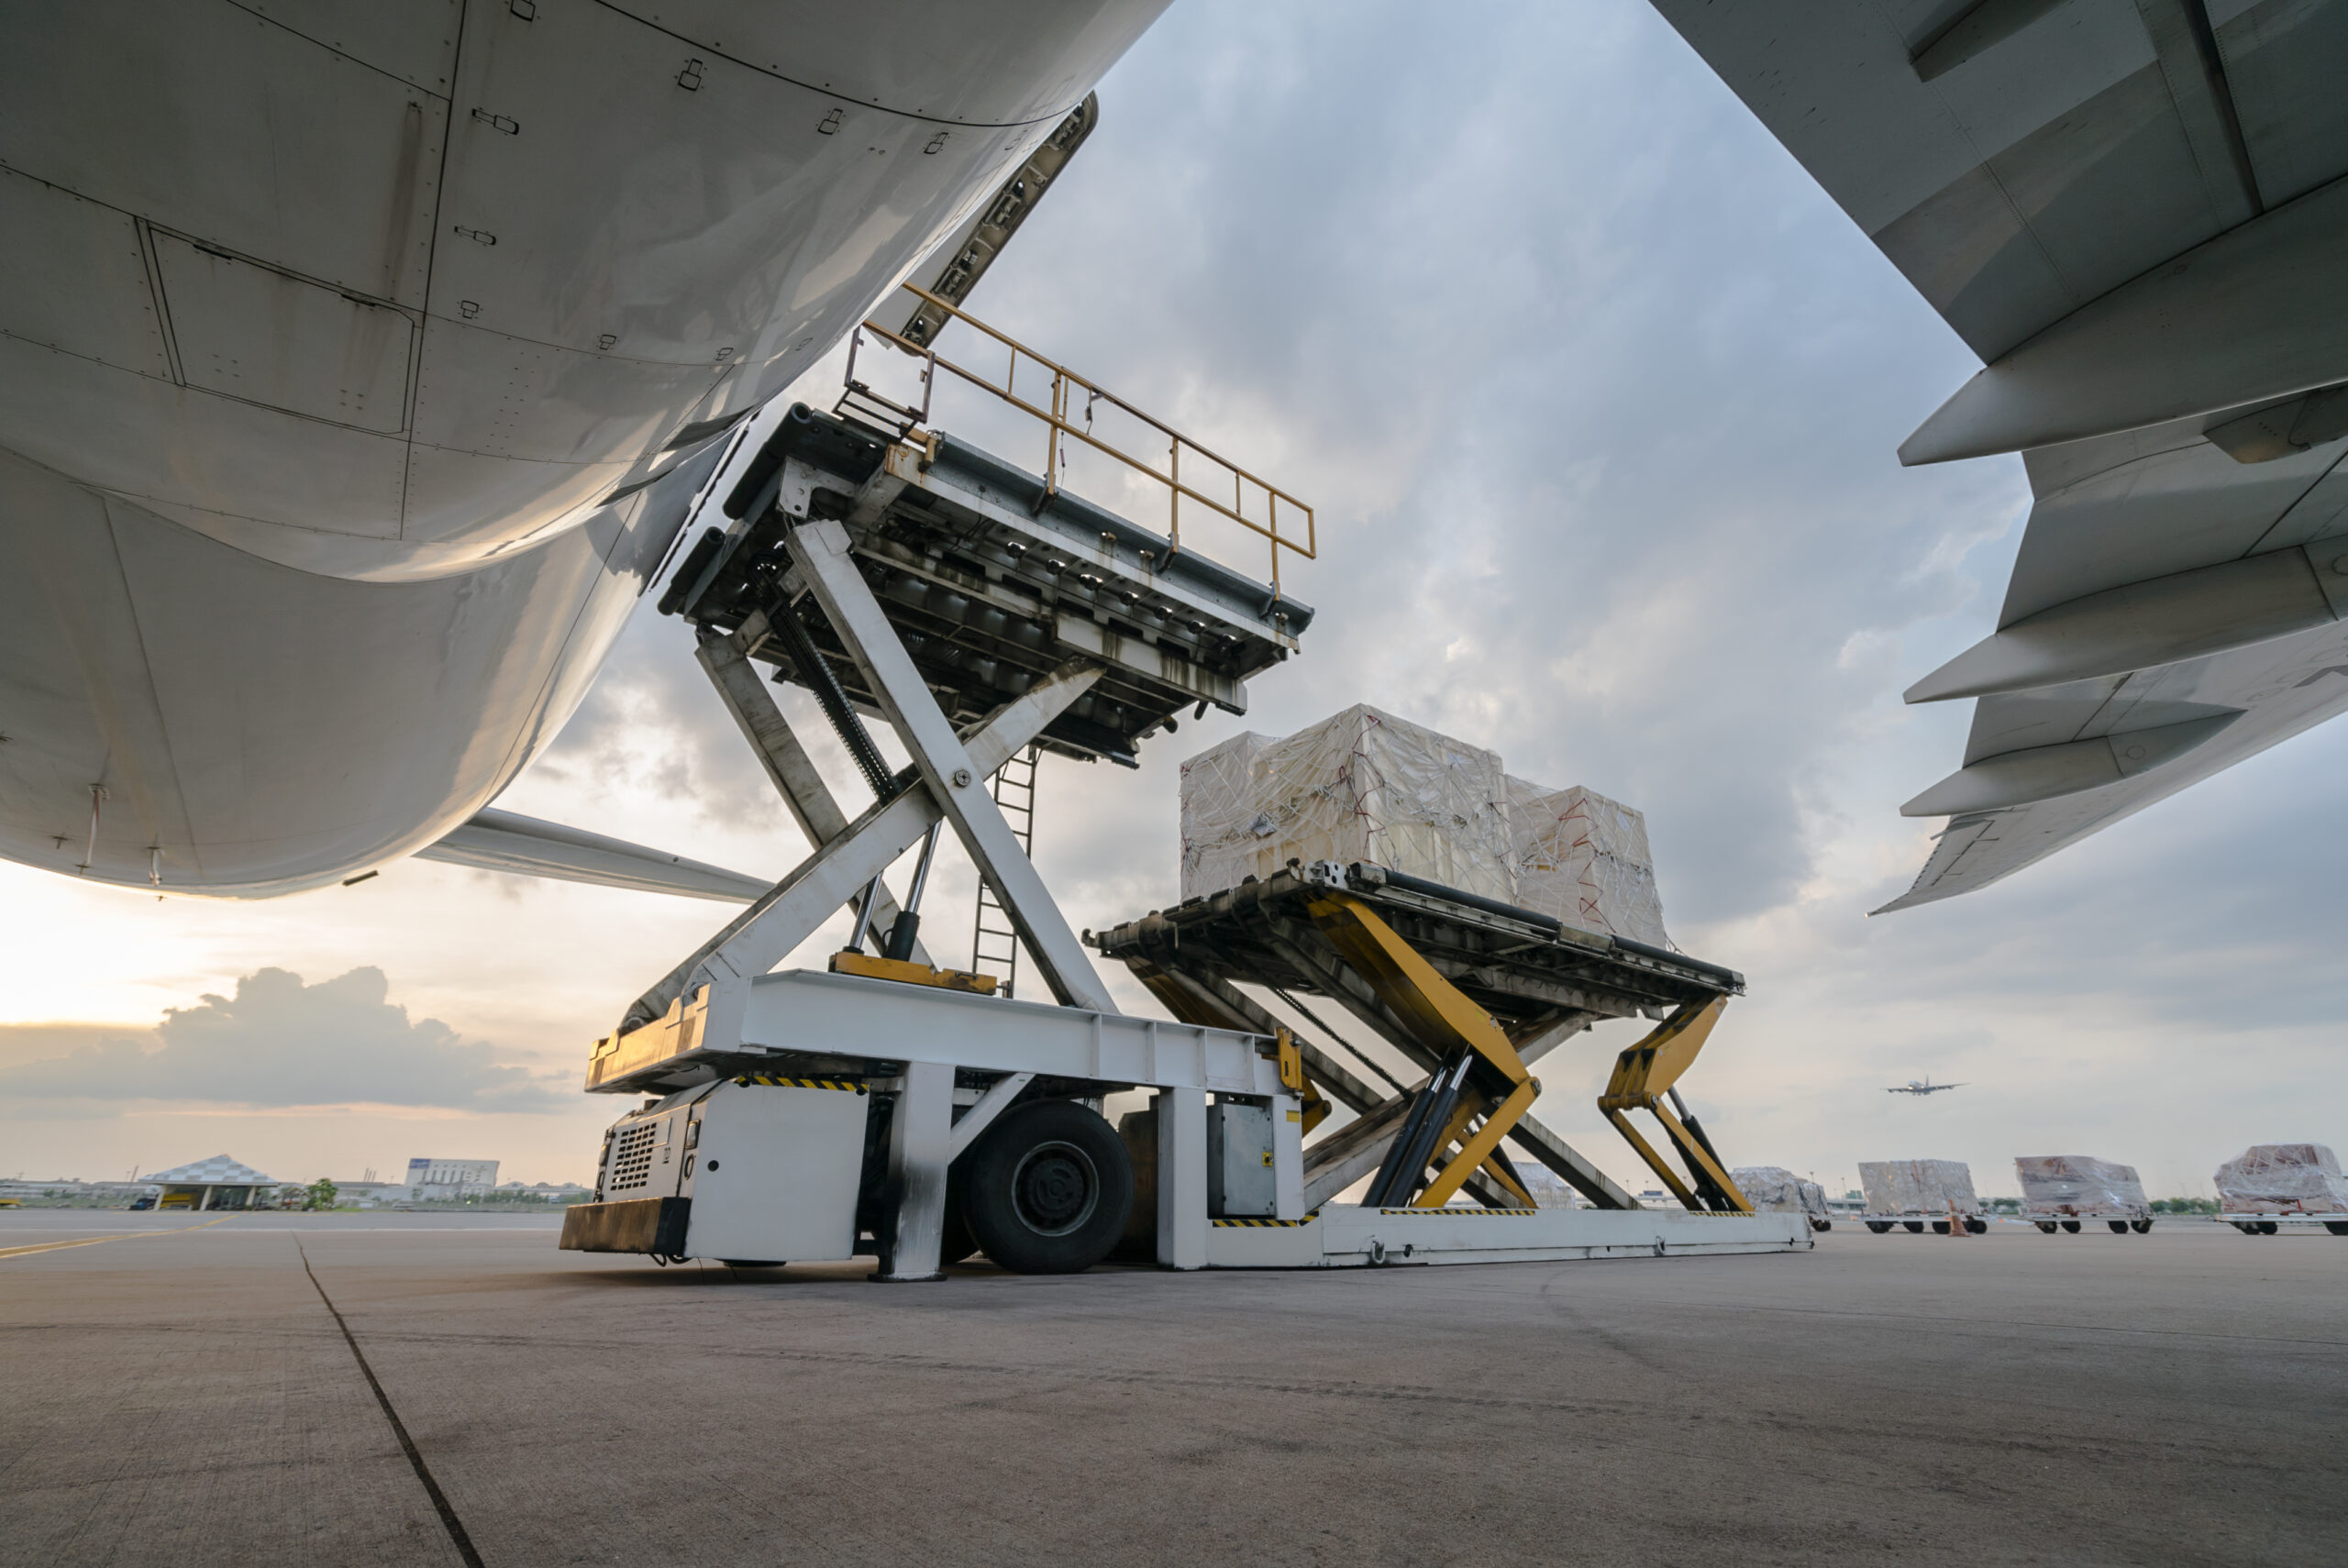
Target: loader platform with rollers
(884, 1106)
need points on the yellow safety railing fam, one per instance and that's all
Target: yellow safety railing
(1067, 386)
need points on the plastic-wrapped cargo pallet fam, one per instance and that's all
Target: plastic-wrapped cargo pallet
(1918, 1187)
(2283, 1178)
(1219, 816)
(1582, 859)
(1363, 785)
(1778, 1190)
(2078, 1184)
(1545, 1190)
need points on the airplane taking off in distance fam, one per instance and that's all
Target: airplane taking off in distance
(1921, 1087)
(360, 364)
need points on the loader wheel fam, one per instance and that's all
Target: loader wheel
(956, 1243)
(1879, 1226)
(2071, 1227)
(1822, 1224)
(2337, 1226)
(2267, 1227)
(1915, 1227)
(2244, 1227)
(1048, 1188)
(1977, 1227)
(1940, 1227)
(2141, 1226)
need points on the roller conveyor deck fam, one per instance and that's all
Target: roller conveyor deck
(1470, 990)
(991, 578)
(1530, 972)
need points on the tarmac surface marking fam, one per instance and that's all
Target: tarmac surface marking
(94, 1240)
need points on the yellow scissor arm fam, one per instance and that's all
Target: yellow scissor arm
(1642, 1081)
(1493, 1083)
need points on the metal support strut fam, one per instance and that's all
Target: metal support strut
(1472, 1101)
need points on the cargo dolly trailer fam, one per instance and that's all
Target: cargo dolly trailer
(2072, 1221)
(1919, 1195)
(2067, 1193)
(2270, 1188)
(2275, 1221)
(1918, 1224)
(890, 1107)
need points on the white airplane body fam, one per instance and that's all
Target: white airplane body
(359, 363)
(1921, 1087)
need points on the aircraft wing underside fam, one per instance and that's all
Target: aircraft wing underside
(2134, 213)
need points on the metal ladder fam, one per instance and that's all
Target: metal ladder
(996, 944)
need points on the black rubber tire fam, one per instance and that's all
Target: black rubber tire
(2119, 1227)
(2141, 1226)
(2337, 1226)
(1822, 1224)
(1940, 1227)
(1048, 1188)
(752, 1262)
(1879, 1226)
(956, 1244)
(1977, 1227)
(1915, 1227)
(2268, 1228)
(2071, 1227)
(2048, 1226)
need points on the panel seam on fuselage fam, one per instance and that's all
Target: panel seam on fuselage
(432, 253)
(1052, 118)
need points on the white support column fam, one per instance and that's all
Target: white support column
(1181, 1178)
(920, 1148)
(1288, 1157)
(821, 551)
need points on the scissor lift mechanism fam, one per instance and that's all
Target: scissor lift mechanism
(1471, 992)
(980, 611)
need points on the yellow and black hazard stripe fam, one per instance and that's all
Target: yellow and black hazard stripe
(1467, 1213)
(1269, 1224)
(768, 1081)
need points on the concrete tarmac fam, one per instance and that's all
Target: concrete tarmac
(185, 1396)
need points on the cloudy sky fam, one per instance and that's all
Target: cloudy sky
(1596, 395)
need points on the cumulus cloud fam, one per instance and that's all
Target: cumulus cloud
(281, 1042)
